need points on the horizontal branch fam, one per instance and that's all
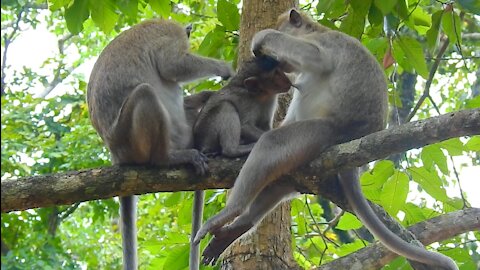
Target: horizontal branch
(102, 183)
(433, 230)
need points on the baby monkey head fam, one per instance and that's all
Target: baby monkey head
(266, 77)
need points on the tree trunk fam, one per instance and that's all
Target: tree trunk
(269, 246)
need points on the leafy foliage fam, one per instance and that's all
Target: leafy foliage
(47, 135)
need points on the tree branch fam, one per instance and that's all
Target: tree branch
(433, 230)
(102, 183)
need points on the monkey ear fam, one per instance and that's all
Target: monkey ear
(188, 29)
(251, 83)
(295, 18)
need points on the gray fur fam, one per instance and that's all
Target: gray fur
(136, 104)
(341, 96)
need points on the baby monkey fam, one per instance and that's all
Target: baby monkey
(234, 118)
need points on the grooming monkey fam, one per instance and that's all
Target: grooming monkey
(238, 113)
(136, 105)
(341, 96)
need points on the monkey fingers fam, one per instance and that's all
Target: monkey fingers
(190, 156)
(223, 238)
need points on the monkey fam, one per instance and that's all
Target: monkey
(193, 105)
(340, 96)
(243, 109)
(135, 104)
(238, 113)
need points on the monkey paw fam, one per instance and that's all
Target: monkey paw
(199, 162)
(260, 40)
(222, 239)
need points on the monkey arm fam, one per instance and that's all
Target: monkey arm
(188, 67)
(252, 133)
(302, 54)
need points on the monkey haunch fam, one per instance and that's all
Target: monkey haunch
(341, 96)
(136, 104)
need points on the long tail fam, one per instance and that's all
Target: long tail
(197, 216)
(352, 189)
(128, 216)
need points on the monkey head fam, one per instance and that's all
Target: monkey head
(268, 83)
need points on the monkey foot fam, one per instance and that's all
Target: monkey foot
(223, 238)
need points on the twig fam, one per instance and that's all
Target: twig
(433, 70)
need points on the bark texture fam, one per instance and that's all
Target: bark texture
(102, 183)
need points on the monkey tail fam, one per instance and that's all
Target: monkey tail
(197, 216)
(128, 216)
(352, 189)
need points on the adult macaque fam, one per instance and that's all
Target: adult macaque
(238, 113)
(136, 105)
(341, 96)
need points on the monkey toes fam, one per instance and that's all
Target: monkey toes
(222, 239)
(199, 162)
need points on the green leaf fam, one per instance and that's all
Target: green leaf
(432, 154)
(472, 6)
(385, 5)
(162, 7)
(57, 4)
(228, 15)
(346, 249)
(173, 199)
(103, 14)
(129, 8)
(177, 258)
(211, 44)
(75, 15)
(451, 25)
(453, 146)
(473, 103)
(331, 8)
(430, 182)
(473, 144)
(375, 16)
(353, 24)
(409, 53)
(348, 222)
(394, 193)
(432, 33)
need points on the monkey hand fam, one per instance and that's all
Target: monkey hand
(260, 41)
(226, 71)
(199, 162)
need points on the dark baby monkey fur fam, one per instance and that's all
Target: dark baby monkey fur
(341, 95)
(136, 105)
(234, 118)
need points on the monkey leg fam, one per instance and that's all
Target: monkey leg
(139, 135)
(189, 156)
(229, 132)
(352, 189)
(270, 197)
(277, 152)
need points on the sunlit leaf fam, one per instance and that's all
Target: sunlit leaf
(385, 5)
(76, 14)
(348, 222)
(103, 14)
(431, 154)
(474, 143)
(228, 15)
(394, 192)
(430, 182)
(409, 54)
(452, 26)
